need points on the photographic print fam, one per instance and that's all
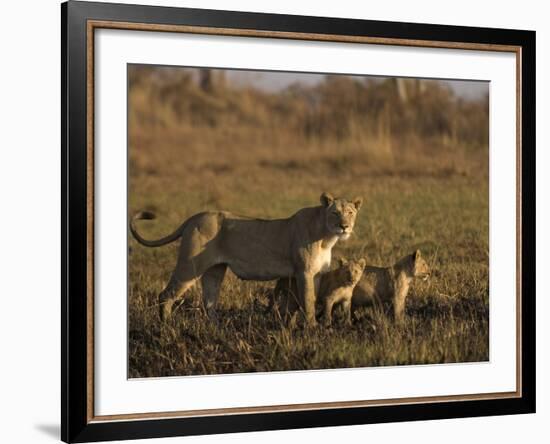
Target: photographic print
(285, 221)
(275, 221)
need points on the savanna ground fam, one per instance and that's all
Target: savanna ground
(198, 142)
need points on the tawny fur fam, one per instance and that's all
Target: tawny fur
(255, 249)
(335, 287)
(380, 285)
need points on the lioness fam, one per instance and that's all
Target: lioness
(254, 249)
(336, 287)
(390, 284)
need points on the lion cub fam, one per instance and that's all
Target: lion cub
(335, 287)
(390, 284)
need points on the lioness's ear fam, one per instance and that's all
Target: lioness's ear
(326, 199)
(416, 255)
(362, 262)
(358, 201)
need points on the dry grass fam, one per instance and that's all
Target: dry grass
(425, 190)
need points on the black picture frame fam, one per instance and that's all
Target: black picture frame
(76, 424)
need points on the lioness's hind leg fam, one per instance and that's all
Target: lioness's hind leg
(193, 262)
(211, 283)
(174, 290)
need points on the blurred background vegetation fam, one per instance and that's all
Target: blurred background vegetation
(384, 125)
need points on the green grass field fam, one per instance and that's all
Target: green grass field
(447, 316)
(422, 190)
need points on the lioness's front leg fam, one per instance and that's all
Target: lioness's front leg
(306, 292)
(399, 307)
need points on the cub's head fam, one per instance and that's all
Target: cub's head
(417, 266)
(340, 214)
(350, 272)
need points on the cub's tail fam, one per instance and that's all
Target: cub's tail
(146, 215)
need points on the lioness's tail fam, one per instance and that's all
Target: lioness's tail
(146, 215)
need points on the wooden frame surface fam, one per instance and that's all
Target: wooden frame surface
(79, 21)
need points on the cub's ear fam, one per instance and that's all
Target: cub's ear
(416, 255)
(362, 262)
(341, 261)
(357, 202)
(326, 199)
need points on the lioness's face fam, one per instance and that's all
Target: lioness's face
(340, 214)
(420, 268)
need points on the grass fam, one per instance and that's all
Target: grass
(429, 193)
(447, 317)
